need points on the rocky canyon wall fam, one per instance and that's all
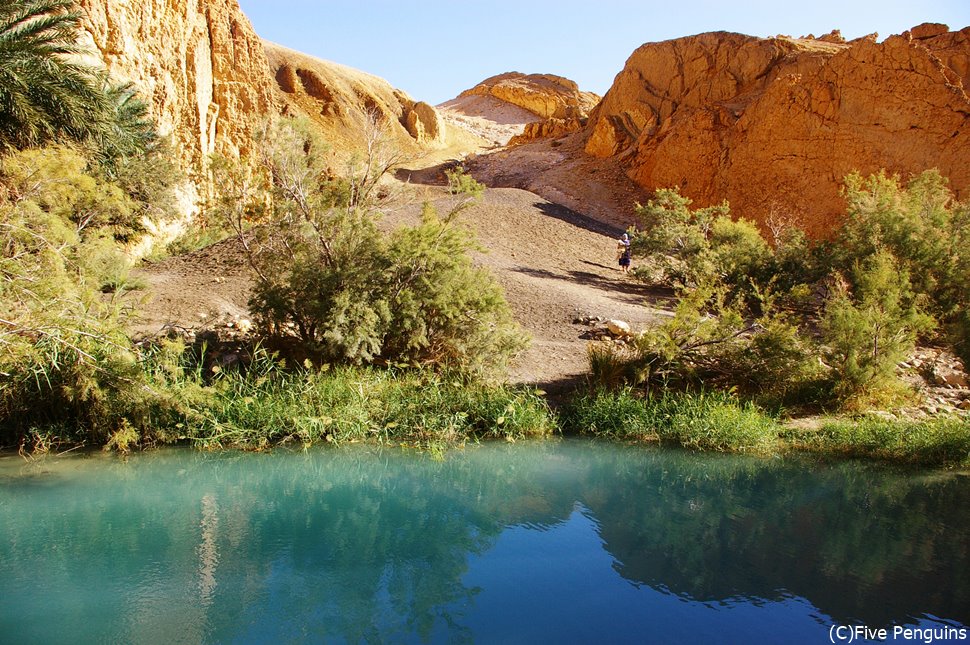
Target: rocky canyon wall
(198, 63)
(774, 125)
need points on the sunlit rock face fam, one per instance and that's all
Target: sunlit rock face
(774, 125)
(199, 65)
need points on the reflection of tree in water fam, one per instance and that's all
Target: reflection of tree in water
(859, 542)
(376, 543)
(360, 544)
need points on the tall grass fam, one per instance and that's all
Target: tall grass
(700, 421)
(941, 441)
(267, 405)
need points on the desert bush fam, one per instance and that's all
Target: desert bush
(870, 327)
(710, 343)
(924, 229)
(65, 356)
(686, 247)
(352, 295)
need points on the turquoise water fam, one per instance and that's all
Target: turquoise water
(553, 542)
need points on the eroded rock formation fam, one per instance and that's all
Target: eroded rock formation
(199, 65)
(550, 128)
(545, 95)
(338, 99)
(773, 125)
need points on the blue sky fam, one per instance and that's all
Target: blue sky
(433, 50)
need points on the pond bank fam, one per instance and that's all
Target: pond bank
(270, 406)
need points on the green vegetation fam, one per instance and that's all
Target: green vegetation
(397, 336)
(797, 323)
(791, 325)
(325, 276)
(718, 421)
(348, 294)
(929, 442)
(47, 97)
(269, 404)
(702, 421)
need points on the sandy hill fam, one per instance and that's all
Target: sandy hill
(338, 100)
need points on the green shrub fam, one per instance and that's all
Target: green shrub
(708, 343)
(325, 274)
(924, 229)
(869, 331)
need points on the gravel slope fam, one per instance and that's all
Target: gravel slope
(554, 264)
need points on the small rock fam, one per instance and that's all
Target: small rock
(619, 328)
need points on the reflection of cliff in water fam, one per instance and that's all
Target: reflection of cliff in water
(859, 542)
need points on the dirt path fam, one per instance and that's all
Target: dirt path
(555, 265)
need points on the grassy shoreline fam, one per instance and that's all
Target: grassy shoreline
(715, 421)
(269, 406)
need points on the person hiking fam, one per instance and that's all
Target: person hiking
(623, 253)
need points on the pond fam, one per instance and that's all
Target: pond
(564, 541)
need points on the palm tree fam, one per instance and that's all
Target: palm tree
(45, 94)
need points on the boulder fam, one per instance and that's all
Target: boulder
(425, 125)
(619, 328)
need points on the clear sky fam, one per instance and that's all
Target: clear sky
(433, 50)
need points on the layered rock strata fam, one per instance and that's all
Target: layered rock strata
(339, 99)
(545, 95)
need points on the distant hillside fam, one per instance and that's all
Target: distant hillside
(504, 106)
(337, 98)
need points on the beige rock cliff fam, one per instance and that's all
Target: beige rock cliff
(198, 64)
(774, 125)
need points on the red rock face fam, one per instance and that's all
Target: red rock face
(774, 125)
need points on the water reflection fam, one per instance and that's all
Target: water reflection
(368, 545)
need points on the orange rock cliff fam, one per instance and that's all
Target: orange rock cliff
(774, 125)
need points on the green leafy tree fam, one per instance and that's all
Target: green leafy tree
(869, 328)
(688, 247)
(927, 232)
